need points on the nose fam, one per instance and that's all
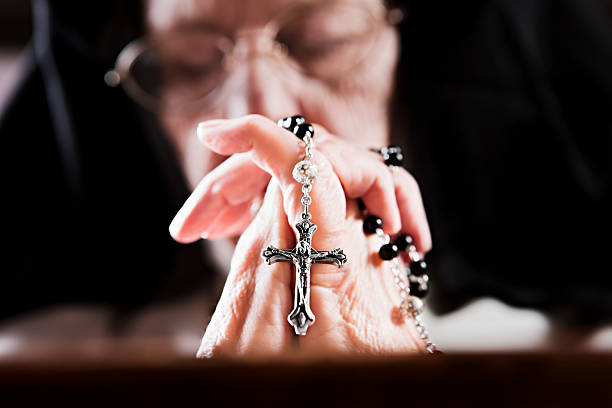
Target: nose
(262, 84)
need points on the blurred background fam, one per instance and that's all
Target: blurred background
(15, 31)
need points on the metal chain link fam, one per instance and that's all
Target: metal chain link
(410, 306)
(305, 172)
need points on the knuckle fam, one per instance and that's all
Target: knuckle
(254, 122)
(215, 347)
(323, 136)
(384, 176)
(407, 181)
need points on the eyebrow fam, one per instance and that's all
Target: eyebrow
(200, 23)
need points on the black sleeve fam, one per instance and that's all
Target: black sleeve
(108, 242)
(511, 139)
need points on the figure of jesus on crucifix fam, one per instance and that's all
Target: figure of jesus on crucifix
(303, 256)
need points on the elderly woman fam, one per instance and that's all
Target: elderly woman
(333, 62)
(479, 101)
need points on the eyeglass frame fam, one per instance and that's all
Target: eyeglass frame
(120, 74)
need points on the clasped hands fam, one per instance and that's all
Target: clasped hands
(356, 306)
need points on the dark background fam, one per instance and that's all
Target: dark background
(15, 22)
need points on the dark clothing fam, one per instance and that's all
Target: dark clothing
(510, 131)
(92, 186)
(511, 139)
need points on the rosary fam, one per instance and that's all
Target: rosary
(412, 285)
(303, 255)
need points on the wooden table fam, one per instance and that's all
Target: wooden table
(146, 374)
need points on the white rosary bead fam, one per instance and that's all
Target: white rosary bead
(415, 305)
(305, 172)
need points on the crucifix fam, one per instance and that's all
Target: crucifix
(303, 256)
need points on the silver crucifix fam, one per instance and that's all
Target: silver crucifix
(303, 256)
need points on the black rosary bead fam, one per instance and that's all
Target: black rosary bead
(291, 122)
(388, 251)
(392, 155)
(418, 268)
(418, 290)
(303, 129)
(371, 224)
(394, 159)
(403, 241)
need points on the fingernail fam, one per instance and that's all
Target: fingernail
(203, 126)
(175, 228)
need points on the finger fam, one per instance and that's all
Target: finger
(230, 222)
(250, 317)
(410, 203)
(363, 175)
(220, 201)
(272, 147)
(276, 151)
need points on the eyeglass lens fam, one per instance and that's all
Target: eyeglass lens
(187, 66)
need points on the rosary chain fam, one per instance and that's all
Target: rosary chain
(306, 173)
(410, 306)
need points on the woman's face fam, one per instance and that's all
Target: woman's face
(352, 106)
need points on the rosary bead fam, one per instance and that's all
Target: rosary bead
(392, 155)
(303, 129)
(388, 251)
(394, 159)
(305, 171)
(415, 305)
(418, 268)
(291, 122)
(371, 224)
(418, 290)
(403, 242)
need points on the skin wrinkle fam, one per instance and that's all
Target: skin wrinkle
(239, 300)
(219, 219)
(237, 224)
(292, 205)
(254, 124)
(317, 341)
(230, 196)
(223, 325)
(211, 227)
(250, 322)
(381, 181)
(256, 276)
(405, 198)
(362, 92)
(354, 315)
(242, 300)
(359, 329)
(351, 306)
(218, 196)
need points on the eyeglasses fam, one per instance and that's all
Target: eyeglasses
(186, 69)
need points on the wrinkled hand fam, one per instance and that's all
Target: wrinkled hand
(355, 306)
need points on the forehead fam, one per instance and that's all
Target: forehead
(162, 15)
